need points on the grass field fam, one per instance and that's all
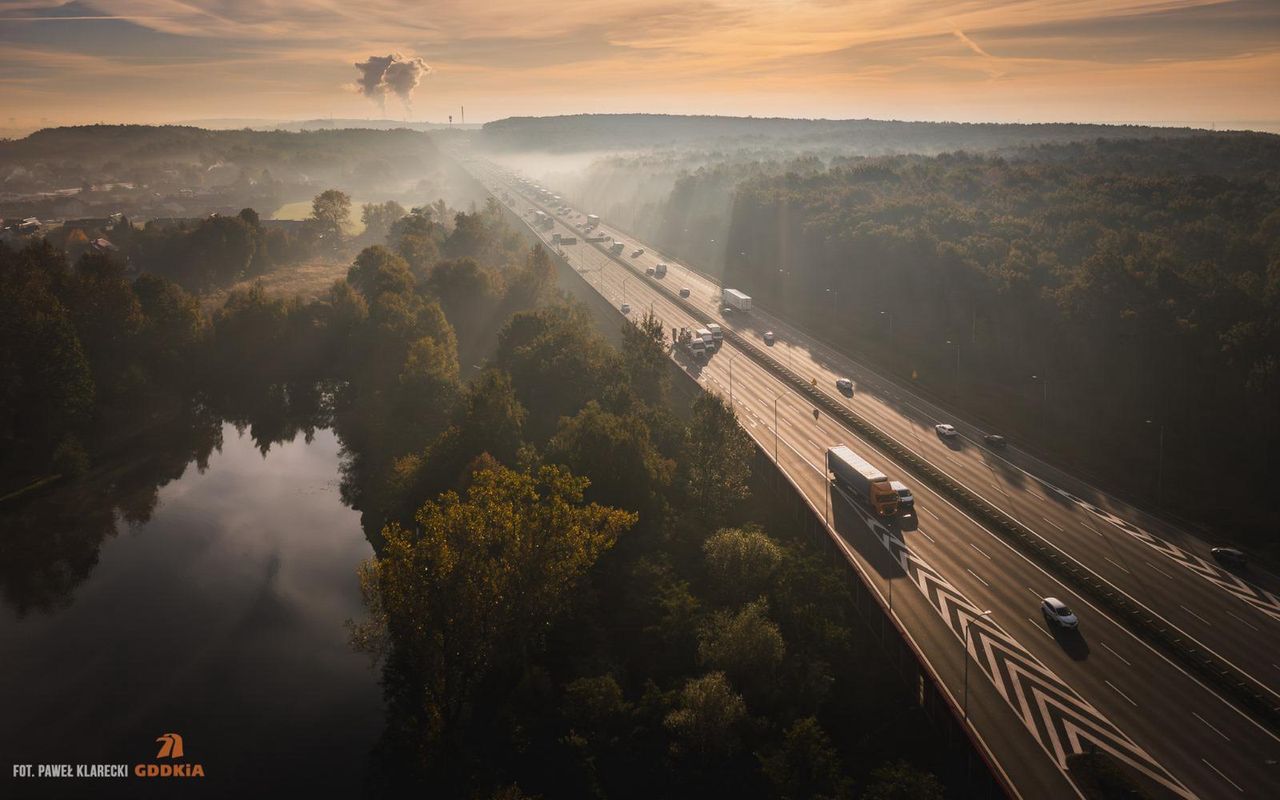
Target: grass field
(302, 210)
(307, 280)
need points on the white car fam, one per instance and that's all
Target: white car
(946, 430)
(626, 308)
(684, 291)
(768, 337)
(1056, 613)
(844, 385)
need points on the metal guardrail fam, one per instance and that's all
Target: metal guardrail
(1010, 530)
(1013, 532)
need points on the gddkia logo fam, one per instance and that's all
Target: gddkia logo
(171, 748)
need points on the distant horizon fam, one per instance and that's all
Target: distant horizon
(1270, 126)
(1198, 62)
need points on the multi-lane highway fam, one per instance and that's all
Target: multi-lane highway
(1034, 695)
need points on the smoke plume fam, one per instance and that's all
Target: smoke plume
(393, 74)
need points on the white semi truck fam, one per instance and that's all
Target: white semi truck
(732, 298)
(859, 478)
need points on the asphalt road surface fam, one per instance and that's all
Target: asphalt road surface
(1035, 695)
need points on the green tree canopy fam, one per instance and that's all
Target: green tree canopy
(708, 719)
(741, 562)
(716, 463)
(478, 578)
(806, 766)
(746, 646)
(331, 212)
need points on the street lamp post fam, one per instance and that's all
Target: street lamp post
(775, 425)
(835, 299)
(624, 287)
(888, 314)
(1159, 464)
(1044, 385)
(731, 360)
(986, 613)
(956, 345)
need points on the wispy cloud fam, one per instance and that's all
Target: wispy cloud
(906, 58)
(971, 44)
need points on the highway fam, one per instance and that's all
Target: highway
(1034, 696)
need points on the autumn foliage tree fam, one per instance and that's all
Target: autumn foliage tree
(475, 581)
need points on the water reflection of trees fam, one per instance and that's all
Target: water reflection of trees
(53, 537)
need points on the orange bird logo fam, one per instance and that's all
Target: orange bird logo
(170, 746)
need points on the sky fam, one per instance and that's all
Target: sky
(1199, 62)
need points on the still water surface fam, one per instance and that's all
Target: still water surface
(221, 618)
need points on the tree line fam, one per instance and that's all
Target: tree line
(571, 594)
(1121, 314)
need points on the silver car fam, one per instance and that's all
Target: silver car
(1056, 613)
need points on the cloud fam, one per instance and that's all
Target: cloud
(394, 74)
(971, 44)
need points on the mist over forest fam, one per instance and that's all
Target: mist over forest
(1137, 268)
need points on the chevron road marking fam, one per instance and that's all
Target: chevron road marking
(1059, 719)
(1256, 596)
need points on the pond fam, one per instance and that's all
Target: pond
(210, 604)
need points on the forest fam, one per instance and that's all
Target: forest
(1110, 303)
(170, 171)
(1122, 316)
(576, 591)
(640, 132)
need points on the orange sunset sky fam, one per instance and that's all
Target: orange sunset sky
(1195, 62)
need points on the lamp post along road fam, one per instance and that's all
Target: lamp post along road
(775, 425)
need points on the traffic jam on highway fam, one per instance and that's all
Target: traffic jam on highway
(917, 498)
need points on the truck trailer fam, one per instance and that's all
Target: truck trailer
(736, 300)
(854, 474)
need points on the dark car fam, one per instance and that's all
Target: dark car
(994, 440)
(1230, 556)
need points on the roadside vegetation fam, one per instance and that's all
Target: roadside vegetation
(1113, 302)
(572, 593)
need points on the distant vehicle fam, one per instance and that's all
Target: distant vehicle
(649, 271)
(616, 248)
(691, 343)
(639, 251)
(1056, 613)
(946, 430)
(716, 333)
(592, 220)
(735, 299)
(707, 338)
(768, 337)
(844, 385)
(1230, 556)
(994, 440)
(568, 240)
(626, 308)
(851, 472)
(684, 291)
(660, 271)
(906, 500)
